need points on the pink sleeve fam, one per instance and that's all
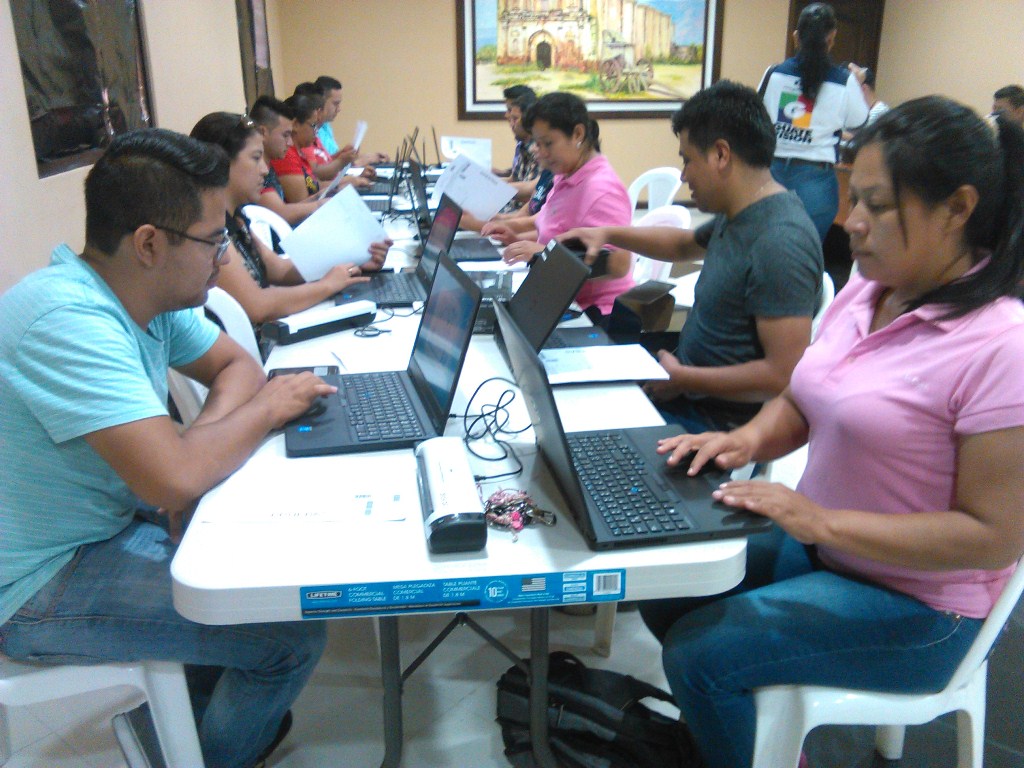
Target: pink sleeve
(990, 392)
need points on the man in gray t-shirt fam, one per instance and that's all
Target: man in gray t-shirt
(760, 284)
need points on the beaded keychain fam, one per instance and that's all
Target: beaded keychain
(510, 510)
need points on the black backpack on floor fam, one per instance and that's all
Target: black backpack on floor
(595, 720)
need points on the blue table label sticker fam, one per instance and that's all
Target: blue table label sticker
(532, 590)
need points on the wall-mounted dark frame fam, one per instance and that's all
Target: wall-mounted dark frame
(83, 66)
(625, 85)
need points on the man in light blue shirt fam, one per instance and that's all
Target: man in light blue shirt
(331, 88)
(88, 444)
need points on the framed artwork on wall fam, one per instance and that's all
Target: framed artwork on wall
(626, 58)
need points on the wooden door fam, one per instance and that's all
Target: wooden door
(858, 33)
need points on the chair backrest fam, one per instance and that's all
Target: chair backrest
(828, 293)
(263, 220)
(236, 323)
(188, 395)
(990, 629)
(662, 185)
(645, 269)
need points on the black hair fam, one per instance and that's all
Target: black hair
(266, 110)
(149, 176)
(932, 146)
(304, 106)
(308, 89)
(869, 77)
(225, 129)
(816, 21)
(524, 101)
(563, 112)
(734, 113)
(513, 92)
(327, 83)
(1013, 94)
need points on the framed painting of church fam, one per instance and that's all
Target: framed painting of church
(625, 58)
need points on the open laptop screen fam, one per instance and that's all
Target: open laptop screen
(442, 233)
(533, 383)
(443, 337)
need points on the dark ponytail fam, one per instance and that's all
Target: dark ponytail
(594, 134)
(816, 21)
(932, 146)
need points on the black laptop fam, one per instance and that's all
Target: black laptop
(620, 492)
(402, 289)
(541, 301)
(475, 249)
(380, 197)
(397, 409)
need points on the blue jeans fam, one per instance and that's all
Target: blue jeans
(792, 622)
(815, 185)
(112, 602)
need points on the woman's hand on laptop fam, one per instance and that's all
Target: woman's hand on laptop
(499, 231)
(342, 276)
(378, 254)
(521, 250)
(727, 450)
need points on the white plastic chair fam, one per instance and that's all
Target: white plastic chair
(263, 220)
(787, 713)
(663, 216)
(161, 682)
(189, 395)
(236, 323)
(828, 293)
(661, 183)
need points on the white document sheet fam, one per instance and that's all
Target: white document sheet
(478, 150)
(473, 187)
(616, 362)
(340, 231)
(357, 140)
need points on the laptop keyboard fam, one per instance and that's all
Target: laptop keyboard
(378, 206)
(618, 480)
(376, 188)
(378, 407)
(398, 291)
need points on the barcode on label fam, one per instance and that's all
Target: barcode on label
(607, 583)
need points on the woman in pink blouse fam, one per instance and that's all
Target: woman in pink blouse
(910, 514)
(586, 193)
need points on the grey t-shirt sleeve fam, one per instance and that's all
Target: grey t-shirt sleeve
(785, 277)
(702, 235)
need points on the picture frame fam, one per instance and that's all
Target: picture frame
(625, 58)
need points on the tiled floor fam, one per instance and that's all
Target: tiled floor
(449, 704)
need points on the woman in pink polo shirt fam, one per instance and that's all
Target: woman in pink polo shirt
(910, 514)
(586, 193)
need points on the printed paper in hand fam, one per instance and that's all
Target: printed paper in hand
(357, 141)
(339, 231)
(473, 187)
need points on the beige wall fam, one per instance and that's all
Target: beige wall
(965, 49)
(397, 59)
(754, 34)
(194, 68)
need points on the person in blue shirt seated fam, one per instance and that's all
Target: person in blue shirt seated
(97, 481)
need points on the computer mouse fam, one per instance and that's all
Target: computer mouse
(317, 407)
